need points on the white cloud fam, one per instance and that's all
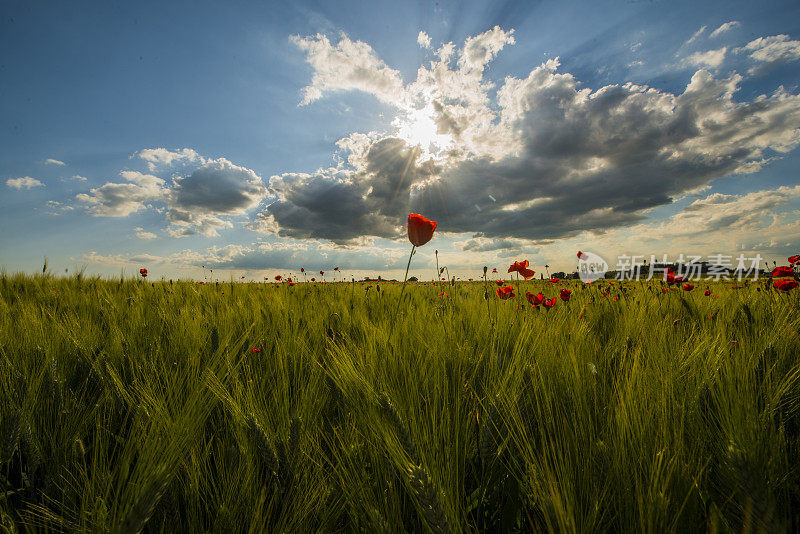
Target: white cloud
(186, 223)
(79, 177)
(709, 58)
(195, 203)
(696, 35)
(478, 51)
(57, 208)
(122, 199)
(141, 234)
(347, 65)
(728, 26)
(161, 156)
(51, 161)
(726, 213)
(26, 181)
(424, 40)
(769, 51)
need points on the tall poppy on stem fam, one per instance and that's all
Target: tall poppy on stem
(420, 231)
(521, 267)
(143, 272)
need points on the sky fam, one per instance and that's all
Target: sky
(256, 138)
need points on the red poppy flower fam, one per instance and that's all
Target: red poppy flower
(420, 229)
(278, 278)
(688, 287)
(335, 268)
(549, 303)
(322, 273)
(313, 279)
(565, 294)
(506, 292)
(256, 350)
(785, 285)
(707, 292)
(535, 300)
(494, 270)
(289, 280)
(302, 269)
(582, 256)
(499, 282)
(780, 272)
(522, 268)
(442, 294)
(143, 272)
(555, 281)
(670, 279)
(517, 265)
(794, 259)
(470, 279)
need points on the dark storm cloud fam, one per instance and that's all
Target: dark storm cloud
(347, 206)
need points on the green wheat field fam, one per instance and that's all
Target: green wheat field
(130, 406)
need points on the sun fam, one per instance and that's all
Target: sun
(417, 127)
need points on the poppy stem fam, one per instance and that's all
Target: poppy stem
(436, 280)
(402, 291)
(486, 295)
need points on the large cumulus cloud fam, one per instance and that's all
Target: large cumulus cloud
(545, 158)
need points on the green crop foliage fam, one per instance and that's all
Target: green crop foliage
(130, 406)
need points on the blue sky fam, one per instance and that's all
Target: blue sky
(259, 137)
